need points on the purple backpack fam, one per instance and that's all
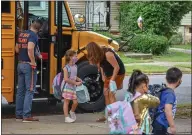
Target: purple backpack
(57, 81)
(121, 118)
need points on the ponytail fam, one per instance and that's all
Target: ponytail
(136, 79)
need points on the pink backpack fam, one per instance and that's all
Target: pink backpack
(120, 117)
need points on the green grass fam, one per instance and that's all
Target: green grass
(183, 111)
(183, 65)
(153, 69)
(148, 69)
(188, 46)
(173, 56)
(127, 60)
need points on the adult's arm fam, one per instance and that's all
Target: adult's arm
(17, 48)
(102, 74)
(31, 47)
(112, 60)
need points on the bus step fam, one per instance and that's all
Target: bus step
(40, 99)
(38, 86)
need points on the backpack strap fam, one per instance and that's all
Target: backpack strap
(163, 109)
(68, 70)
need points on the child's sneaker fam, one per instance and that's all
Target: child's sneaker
(69, 120)
(73, 116)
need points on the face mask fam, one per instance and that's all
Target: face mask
(74, 59)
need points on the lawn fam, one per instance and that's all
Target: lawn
(127, 60)
(173, 56)
(148, 69)
(153, 69)
(183, 65)
(183, 111)
(188, 46)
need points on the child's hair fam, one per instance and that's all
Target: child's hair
(69, 54)
(136, 79)
(173, 75)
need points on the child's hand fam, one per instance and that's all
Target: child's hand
(78, 83)
(171, 130)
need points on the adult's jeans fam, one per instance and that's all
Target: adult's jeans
(24, 95)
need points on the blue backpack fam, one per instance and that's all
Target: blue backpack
(156, 90)
(57, 81)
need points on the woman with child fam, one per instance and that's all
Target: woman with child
(113, 70)
(111, 67)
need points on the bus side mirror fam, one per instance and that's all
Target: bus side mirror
(79, 19)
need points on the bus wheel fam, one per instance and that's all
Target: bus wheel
(88, 73)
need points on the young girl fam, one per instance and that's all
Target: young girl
(141, 101)
(70, 82)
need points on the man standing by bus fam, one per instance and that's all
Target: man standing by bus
(26, 46)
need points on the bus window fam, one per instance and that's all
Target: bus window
(5, 6)
(65, 17)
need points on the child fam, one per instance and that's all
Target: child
(71, 81)
(164, 122)
(140, 100)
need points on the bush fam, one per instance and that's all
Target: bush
(176, 39)
(161, 18)
(149, 44)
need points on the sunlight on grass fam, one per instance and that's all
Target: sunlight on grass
(148, 69)
(183, 65)
(153, 69)
(188, 46)
(127, 60)
(173, 56)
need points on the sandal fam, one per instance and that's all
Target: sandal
(103, 119)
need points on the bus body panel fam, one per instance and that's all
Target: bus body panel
(8, 53)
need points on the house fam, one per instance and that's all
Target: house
(186, 28)
(101, 14)
(97, 13)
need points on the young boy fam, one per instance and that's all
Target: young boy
(164, 122)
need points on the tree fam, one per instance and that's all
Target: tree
(161, 18)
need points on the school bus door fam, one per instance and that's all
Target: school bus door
(61, 30)
(8, 49)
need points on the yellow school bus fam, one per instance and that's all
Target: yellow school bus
(61, 35)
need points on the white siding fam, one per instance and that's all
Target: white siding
(186, 19)
(77, 7)
(114, 14)
(40, 12)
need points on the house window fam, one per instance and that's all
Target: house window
(37, 5)
(5, 7)
(190, 30)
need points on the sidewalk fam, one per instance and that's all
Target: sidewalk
(85, 124)
(181, 50)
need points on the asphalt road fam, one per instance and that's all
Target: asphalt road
(183, 93)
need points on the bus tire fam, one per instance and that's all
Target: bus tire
(97, 103)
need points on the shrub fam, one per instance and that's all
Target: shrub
(149, 43)
(176, 39)
(162, 18)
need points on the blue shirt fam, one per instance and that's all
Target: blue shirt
(167, 97)
(22, 42)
